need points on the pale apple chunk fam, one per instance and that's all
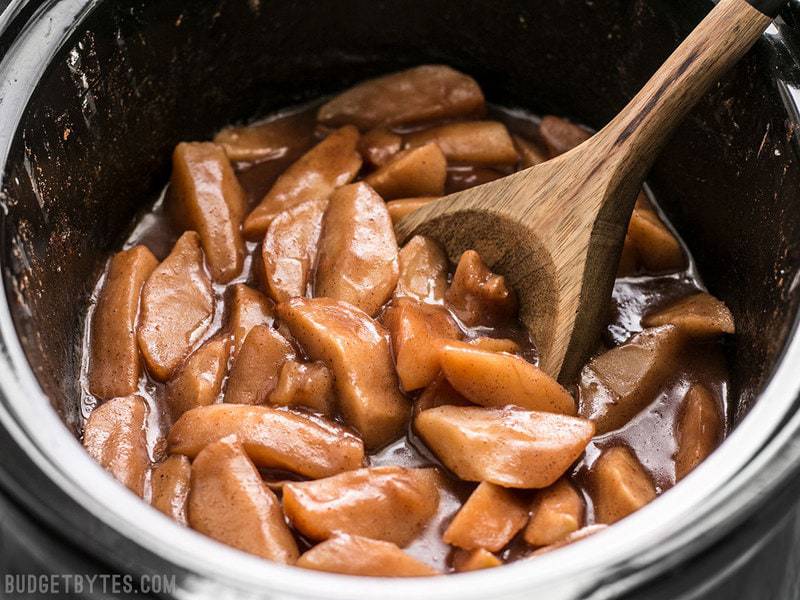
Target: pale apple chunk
(439, 393)
(273, 439)
(577, 536)
(357, 351)
(475, 560)
(244, 309)
(272, 139)
(698, 316)
(479, 297)
(415, 329)
(423, 93)
(699, 429)
(495, 345)
(392, 504)
(114, 363)
(307, 385)
(496, 379)
(330, 164)
(205, 196)
(199, 380)
(619, 485)
(473, 142)
(114, 435)
(170, 482)
(489, 519)
(176, 307)
(357, 257)
(560, 135)
(400, 208)
(423, 270)
(530, 154)
(656, 248)
(618, 384)
(378, 146)
(230, 503)
(355, 555)
(255, 369)
(290, 249)
(556, 512)
(416, 172)
(509, 447)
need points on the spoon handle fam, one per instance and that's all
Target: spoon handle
(634, 138)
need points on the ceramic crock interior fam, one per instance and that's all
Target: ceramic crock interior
(94, 143)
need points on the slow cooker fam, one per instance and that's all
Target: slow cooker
(95, 93)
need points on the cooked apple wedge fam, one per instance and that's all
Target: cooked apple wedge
(495, 345)
(273, 139)
(176, 307)
(509, 447)
(400, 208)
(357, 257)
(330, 164)
(656, 248)
(231, 504)
(198, 381)
(416, 329)
(475, 560)
(357, 351)
(378, 146)
(383, 503)
(170, 482)
(416, 172)
(496, 379)
(273, 439)
(698, 316)
(560, 135)
(255, 369)
(478, 296)
(423, 93)
(530, 154)
(619, 484)
(489, 519)
(308, 385)
(244, 309)
(699, 429)
(355, 555)
(114, 435)
(473, 142)
(556, 512)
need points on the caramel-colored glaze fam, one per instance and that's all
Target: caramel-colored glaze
(308, 385)
(472, 142)
(420, 94)
(357, 257)
(330, 164)
(170, 487)
(530, 154)
(657, 249)
(378, 146)
(697, 316)
(357, 351)
(269, 140)
(618, 384)
(490, 517)
(231, 504)
(400, 208)
(114, 435)
(496, 345)
(560, 135)
(393, 504)
(205, 196)
(176, 308)
(244, 309)
(475, 560)
(415, 329)
(255, 369)
(699, 429)
(460, 177)
(619, 486)
(355, 555)
(423, 270)
(417, 172)
(273, 439)
(496, 379)
(479, 297)
(114, 363)
(509, 447)
(290, 249)
(199, 380)
(556, 512)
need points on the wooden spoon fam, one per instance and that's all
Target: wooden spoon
(555, 231)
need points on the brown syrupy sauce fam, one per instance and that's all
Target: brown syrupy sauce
(650, 434)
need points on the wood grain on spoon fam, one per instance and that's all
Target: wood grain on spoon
(555, 230)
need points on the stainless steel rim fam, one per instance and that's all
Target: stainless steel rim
(756, 459)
